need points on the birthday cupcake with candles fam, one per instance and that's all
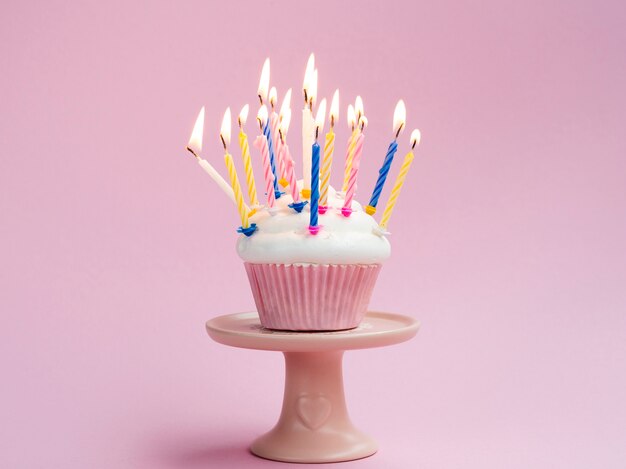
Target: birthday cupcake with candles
(312, 253)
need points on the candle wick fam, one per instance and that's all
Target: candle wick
(280, 133)
(261, 99)
(399, 130)
(192, 152)
(306, 98)
(317, 131)
(223, 141)
(414, 143)
(239, 121)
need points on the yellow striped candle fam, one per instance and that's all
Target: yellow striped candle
(351, 146)
(247, 160)
(234, 182)
(242, 208)
(397, 187)
(329, 148)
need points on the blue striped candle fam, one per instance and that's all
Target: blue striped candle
(382, 177)
(267, 131)
(315, 188)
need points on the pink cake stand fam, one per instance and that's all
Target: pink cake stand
(314, 426)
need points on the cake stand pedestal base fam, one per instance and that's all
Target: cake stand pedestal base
(314, 426)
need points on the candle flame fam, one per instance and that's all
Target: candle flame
(351, 116)
(399, 118)
(273, 97)
(334, 108)
(416, 136)
(313, 89)
(264, 82)
(225, 130)
(286, 103)
(358, 107)
(195, 141)
(320, 116)
(243, 115)
(308, 73)
(284, 123)
(262, 116)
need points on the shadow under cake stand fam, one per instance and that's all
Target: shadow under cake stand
(314, 426)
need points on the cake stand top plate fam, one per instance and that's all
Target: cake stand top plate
(378, 329)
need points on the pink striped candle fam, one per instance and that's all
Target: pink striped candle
(261, 143)
(284, 118)
(291, 174)
(346, 210)
(274, 121)
(278, 144)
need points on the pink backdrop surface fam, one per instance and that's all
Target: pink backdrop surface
(508, 241)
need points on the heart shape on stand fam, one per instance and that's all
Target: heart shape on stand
(313, 410)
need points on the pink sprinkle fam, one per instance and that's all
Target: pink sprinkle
(314, 229)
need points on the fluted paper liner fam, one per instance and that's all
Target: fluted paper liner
(311, 297)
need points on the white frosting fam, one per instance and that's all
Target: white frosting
(282, 236)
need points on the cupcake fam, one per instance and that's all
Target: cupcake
(312, 261)
(304, 282)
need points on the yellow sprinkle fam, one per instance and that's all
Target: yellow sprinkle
(370, 210)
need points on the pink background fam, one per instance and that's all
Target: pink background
(509, 240)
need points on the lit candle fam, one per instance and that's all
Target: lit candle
(350, 149)
(274, 120)
(284, 108)
(399, 120)
(309, 88)
(261, 144)
(329, 148)
(195, 148)
(346, 210)
(397, 187)
(290, 170)
(264, 84)
(247, 160)
(245, 227)
(283, 127)
(314, 228)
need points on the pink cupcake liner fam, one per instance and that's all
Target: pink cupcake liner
(311, 297)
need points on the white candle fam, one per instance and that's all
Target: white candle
(308, 123)
(308, 137)
(204, 164)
